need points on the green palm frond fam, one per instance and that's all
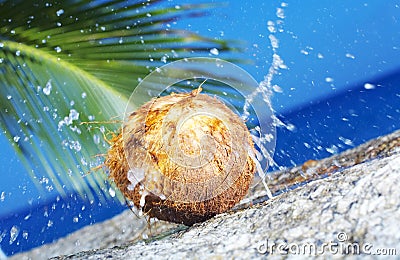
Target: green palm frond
(63, 64)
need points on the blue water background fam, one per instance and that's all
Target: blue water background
(351, 42)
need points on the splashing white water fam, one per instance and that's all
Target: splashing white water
(265, 88)
(261, 172)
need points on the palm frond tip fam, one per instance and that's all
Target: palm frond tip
(70, 62)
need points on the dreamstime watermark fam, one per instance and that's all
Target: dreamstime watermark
(339, 246)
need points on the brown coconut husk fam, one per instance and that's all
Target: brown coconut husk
(192, 171)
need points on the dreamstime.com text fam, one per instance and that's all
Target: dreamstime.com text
(340, 246)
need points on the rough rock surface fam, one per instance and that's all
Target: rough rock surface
(345, 204)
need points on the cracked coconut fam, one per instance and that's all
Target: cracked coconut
(182, 158)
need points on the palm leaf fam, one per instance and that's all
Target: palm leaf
(63, 64)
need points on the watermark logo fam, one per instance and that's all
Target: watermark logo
(341, 245)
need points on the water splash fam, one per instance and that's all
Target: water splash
(68, 120)
(266, 89)
(260, 172)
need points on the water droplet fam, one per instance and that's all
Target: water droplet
(164, 59)
(290, 127)
(18, 53)
(75, 219)
(320, 56)
(84, 95)
(47, 89)
(60, 124)
(9, 97)
(277, 89)
(25, 235)
(60, 12)
(75, 145)
(271, 26)
(83, 161)
(280, 13)
(304, 52)
(16, 138)
(58, 49)
(214, 51)
(1, 45)
(96, 139)
(59, 24)
(333, 149)
(49, 223)
(44, 180)
(369, 86)
(2, 196)
(329, 79)
(73, 114)
(14, 232)
(346, 141)
(350, 56)
(112, 192)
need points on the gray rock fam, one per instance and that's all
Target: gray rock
(349, 204)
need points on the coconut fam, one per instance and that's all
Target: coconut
(182, 158)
